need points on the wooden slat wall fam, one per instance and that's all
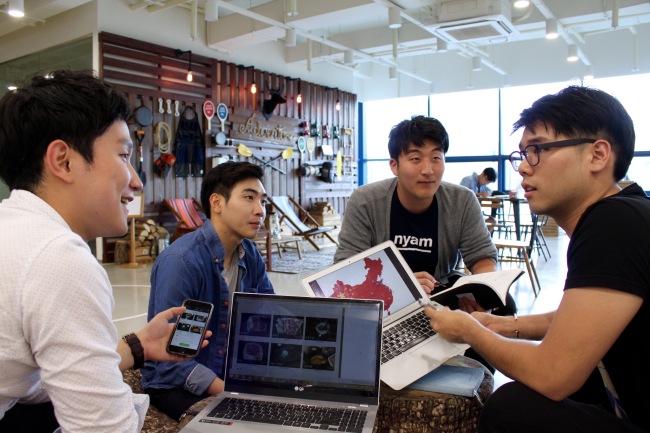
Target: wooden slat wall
(146, 72)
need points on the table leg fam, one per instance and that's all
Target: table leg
(269, 252)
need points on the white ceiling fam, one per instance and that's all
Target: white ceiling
(331, 27)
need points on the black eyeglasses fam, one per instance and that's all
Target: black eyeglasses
(532, 151)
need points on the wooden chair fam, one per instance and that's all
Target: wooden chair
(498, 222)
(285, 206)
(186, 211)
(522, 255)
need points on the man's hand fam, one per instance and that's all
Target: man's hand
(155, 336)
(427, 281)
(451, 325)
(469, 305)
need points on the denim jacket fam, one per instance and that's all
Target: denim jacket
(191, 269)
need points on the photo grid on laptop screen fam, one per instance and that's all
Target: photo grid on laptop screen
(378, 276)
(283, 342)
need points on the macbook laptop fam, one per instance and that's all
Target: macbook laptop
(296, 362)
(411, 348)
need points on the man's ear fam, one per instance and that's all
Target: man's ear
(601, 154)
(58, 160)
(216, 203)
(394, 164)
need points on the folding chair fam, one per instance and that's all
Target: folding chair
(524, 250)
(186, 212)
(285, 204)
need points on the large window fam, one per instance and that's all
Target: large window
(479, 124)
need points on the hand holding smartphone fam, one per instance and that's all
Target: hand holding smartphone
(190, 328)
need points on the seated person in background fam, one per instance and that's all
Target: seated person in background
(576, 146)
(65, 152)
(209, 264)
(432, 222)
(478, 183)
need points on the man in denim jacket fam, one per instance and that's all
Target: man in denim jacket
(209, 264)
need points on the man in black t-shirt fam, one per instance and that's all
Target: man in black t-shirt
(575, 147)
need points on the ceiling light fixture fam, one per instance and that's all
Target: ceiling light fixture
(572, 56)
(348, 57)
(290, 37)
(211, 10)
(476, 64)
(179, 53)
(551, 29)
(521, 4)
(589, 74)
(392, 73)
(291, 6)
(338, 102)
(16, 8)
(394, 18)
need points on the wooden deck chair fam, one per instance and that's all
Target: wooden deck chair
(285, 206)
(186, 212)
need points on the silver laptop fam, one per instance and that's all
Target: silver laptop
(411, 348)
(296, 362)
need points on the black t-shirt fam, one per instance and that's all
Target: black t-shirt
(610, 248)
(415, 235)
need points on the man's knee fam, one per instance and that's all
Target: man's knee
(508, 406)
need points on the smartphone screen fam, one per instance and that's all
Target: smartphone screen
(190, 328)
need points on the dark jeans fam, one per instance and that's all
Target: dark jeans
(29, 418)
(515, 408)
(173, 401)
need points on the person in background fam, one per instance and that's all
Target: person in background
(65, 153)
(576, 146)
(209, 264)
(433, 223)
(478, 183)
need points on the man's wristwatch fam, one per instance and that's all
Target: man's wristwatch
(136, 350)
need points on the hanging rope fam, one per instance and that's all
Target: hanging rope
(163, 137)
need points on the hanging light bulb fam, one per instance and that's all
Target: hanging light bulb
(253, 87)
(189, 75)
(299, 97)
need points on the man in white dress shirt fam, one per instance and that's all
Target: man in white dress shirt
(65, 153)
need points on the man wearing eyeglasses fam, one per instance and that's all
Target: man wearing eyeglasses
(576, 146)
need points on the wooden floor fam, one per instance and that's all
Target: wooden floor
(131, 289)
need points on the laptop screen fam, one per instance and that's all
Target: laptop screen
(301, 347)
(379, 273)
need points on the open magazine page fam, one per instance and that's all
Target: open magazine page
(488, 289)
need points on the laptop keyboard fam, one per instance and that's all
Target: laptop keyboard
(403, 336)
(290, 415)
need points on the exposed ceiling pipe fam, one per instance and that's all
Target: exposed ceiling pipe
(168, 4)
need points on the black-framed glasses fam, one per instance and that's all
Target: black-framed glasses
(532, 151)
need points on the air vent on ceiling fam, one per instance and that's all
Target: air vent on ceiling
(483, 28)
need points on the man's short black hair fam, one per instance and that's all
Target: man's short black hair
(584, 112)
(416, 131)
(73, 106)
(222, 178)
(490, 174)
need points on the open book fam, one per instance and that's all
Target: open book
(488, 289)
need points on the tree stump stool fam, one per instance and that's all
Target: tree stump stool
(414, 411)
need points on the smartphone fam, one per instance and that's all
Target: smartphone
(190, 328)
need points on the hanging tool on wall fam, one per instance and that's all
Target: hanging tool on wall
(143, 117)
